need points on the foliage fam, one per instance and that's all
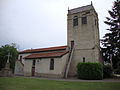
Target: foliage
(107, 71)
(21, 83)
(111, 41)
(117, 70)
(90, 70)
(4, 50)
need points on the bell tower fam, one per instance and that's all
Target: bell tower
(83, 34)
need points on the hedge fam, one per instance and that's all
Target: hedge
(90, 71)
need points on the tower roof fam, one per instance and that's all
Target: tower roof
(80, 9)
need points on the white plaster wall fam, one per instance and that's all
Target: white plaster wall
(19, 68)
(64, 62)
(28, 67)
(43, 65)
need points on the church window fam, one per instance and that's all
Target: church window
(75, 21)
(52, 64)
(83, 59)
(84, 20)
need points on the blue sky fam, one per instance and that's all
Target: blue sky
(42, 23)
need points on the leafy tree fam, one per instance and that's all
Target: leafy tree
(111, 41)
(4, 50)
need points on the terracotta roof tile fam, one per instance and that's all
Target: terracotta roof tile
(43, 49)
(46, 55)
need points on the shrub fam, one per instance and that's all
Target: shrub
(107, 71)
(90, 71)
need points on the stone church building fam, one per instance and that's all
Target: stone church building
(83, 45)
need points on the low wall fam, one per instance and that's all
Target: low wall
(6, 73)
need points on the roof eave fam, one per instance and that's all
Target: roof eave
(59, 56)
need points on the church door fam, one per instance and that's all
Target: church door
(33, 68)
(72, 44)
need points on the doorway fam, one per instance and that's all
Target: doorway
(33, 68)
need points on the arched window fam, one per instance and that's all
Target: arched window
(52, 64)
(75, 21)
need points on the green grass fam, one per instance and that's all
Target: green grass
(22, 83)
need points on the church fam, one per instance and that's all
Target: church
(83, 45)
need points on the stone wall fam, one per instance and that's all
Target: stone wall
(85, 36)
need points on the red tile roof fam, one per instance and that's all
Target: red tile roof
(46, 55)
(44, 49)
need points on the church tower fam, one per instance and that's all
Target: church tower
(83, 36)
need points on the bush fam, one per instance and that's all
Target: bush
(90, 71)
(107, 71)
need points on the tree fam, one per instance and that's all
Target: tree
(111, 41)
(4, 50)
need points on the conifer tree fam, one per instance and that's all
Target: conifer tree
(111, 41)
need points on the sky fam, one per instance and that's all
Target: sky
(42, 23)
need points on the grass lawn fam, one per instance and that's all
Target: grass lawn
(22, 83)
